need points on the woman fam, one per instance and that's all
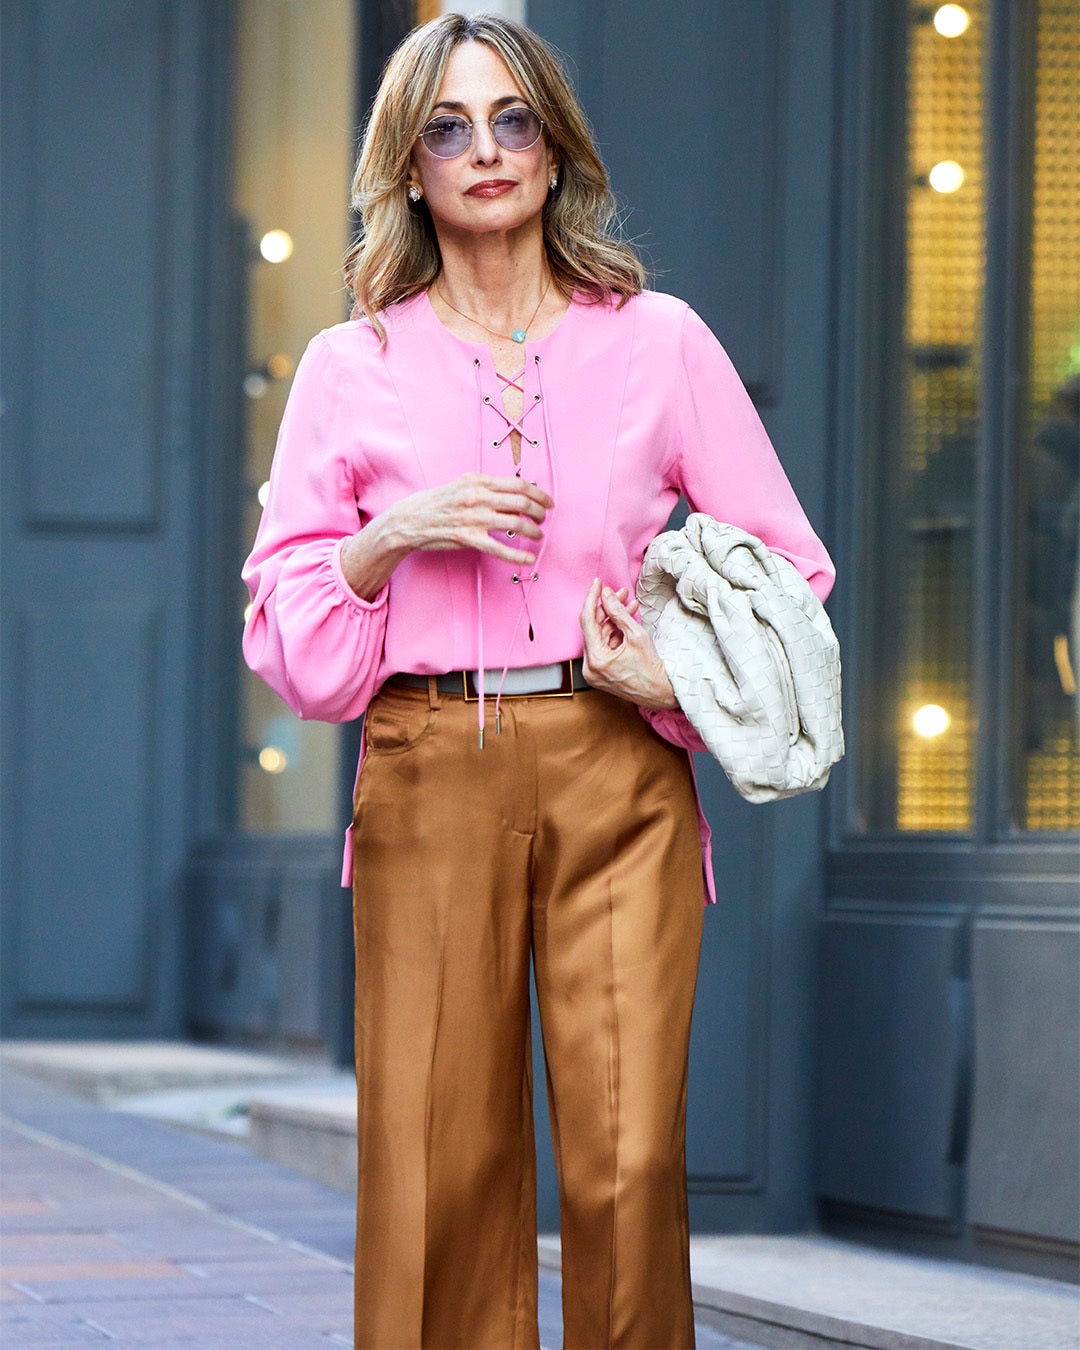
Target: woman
(466, 480)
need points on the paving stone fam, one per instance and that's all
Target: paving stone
(56, 1246)
(29, 1324)
(65, 1271)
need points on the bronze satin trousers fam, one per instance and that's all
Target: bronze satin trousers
(573, 836)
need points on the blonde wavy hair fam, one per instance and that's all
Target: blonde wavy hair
(396, 252)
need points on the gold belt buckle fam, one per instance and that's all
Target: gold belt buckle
(553, 693)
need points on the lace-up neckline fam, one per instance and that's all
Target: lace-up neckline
(513, 424)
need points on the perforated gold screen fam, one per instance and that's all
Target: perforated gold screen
(943, 310)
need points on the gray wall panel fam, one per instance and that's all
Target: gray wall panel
(727, 1096)
(693, 137)
(96, 207)
(690, 117)
(90, 671)
(264, 937)
(887, 1082)
(1026, 1128)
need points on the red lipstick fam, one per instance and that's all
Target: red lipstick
(491, 187)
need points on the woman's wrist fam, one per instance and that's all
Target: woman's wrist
(369, 557)
(660, 697)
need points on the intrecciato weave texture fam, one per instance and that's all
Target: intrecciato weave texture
(750, 654)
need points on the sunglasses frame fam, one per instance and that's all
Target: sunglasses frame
(472, 125)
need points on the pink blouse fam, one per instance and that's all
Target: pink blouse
(623, 410)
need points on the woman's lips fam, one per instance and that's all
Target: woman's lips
(490, 187)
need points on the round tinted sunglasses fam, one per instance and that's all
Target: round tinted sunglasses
(449, 135)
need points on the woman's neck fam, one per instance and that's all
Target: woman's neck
(497, 280)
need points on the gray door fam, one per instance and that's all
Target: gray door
(108, 110)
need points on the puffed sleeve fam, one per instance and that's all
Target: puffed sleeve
(315, 642)
(725, 465)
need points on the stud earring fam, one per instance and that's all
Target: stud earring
(553, 182)
(414, 193)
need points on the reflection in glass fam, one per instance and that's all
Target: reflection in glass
(292, 160)
(1046, 758)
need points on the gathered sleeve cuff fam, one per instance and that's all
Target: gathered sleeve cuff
(674, 726)
(314, 641)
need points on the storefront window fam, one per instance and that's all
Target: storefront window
(294, 140)
(931, 716)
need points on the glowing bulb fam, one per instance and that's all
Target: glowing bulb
(946, 176)
(272, 759)
(279, 366)
(951, 20)
(263, 493)
(247, 610)
(276, 246)
(930, 720)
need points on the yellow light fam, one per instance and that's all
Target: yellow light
(263, 493)
(1064, 665)
(951, 20)
(930, 720)
(276, 246)
(279, 366)
(946, 176)
(272, 759)
(247, 610)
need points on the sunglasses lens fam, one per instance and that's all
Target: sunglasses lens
(517, 128)
(446, 137)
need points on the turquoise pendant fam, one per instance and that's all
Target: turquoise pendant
(518, 334)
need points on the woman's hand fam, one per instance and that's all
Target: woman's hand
(619, 654)
(460, 514)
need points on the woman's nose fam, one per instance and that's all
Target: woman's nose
(485, 148)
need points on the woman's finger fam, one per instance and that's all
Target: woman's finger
(589, 618)
(532, 497)
(616, 611)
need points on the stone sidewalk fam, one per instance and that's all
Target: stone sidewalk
(143, 1216)
(124, 1231)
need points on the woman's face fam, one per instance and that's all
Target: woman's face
(485, 188)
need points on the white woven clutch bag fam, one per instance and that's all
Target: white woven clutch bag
(750, 654)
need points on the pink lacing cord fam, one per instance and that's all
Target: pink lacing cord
(512, 424)
(527, 580)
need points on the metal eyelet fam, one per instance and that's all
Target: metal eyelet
(515, 578)
(511, 534)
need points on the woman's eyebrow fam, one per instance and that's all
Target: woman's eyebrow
(452, 105)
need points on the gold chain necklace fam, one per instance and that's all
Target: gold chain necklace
(518, 335)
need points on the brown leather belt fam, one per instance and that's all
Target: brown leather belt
(555, 681)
